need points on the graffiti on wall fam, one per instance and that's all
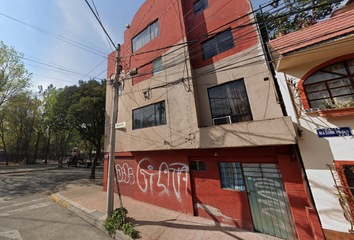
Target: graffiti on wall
(125, 174)
(159, 180)
(166, 179)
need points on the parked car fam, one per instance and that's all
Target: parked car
(73, 161)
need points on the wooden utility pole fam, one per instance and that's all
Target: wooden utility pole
(110, 180)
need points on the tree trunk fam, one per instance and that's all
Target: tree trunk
(47, 150)
(36, 148)
(93, 167)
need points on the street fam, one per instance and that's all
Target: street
(20, 184)
(27, 212)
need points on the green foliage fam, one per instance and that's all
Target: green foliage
(287, 16)
(14, 78)
(86, 114)
(129, 230)
(115, 222)
(338, 104)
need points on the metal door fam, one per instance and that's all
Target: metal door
(268, 201)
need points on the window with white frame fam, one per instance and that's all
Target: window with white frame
(145, 36)
(149, 116)
(229, 103)
(331, 85)
(157, 66)
(200, 5)
(218, 44)
(231, 176)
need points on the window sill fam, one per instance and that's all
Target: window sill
(338, 112)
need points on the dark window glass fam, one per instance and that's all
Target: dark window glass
(348, 171)
(149, 116)
(200, 5)
(229, 103)
(333, 84)
(231, 176)
(218, 44)
(145, 36)
(198, 166)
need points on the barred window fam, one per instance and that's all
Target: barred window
(231, 176)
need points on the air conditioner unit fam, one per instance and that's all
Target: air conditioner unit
(222, 120)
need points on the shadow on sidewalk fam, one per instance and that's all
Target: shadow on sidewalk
(188, 225)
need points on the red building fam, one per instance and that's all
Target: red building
(203, 132)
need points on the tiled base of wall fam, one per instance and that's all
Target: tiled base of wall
(334, 235)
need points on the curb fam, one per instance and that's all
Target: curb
(28, 170)
(84, 213)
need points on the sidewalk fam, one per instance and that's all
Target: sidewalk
(88, 200)
(27, 167)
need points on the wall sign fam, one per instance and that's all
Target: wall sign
(334, 132)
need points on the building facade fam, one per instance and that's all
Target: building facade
(316, 74)
(202, 131)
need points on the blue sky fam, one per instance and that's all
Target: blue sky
(73, 20)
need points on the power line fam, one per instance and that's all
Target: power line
(99, 21)
(57, 36)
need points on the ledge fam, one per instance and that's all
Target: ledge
(338, 112)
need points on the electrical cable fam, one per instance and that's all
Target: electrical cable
(64, 39)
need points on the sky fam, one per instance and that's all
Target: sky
(61, 40)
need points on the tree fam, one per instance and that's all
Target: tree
(19, 120)
(87, 115)
(290, 15)
(14, 78)
(60, 127)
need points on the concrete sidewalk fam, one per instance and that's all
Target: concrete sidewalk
(27, 167)
(87, 199)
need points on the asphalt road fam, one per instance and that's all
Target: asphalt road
(27, 212)
(21, 184)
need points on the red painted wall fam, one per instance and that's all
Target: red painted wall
(171, 32)
(124, 166)
(219, 13)
(164, 179)
(307, 227)
(229, 206)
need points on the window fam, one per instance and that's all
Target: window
(149, 116)
(198, 166)
(157, 66)
(229, 103)
(200, 5)
(218, 44)
(349, 175)
(333, 84)
(231, 176)
(145, 36)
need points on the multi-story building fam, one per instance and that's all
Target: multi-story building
(202, 130)
(316, 74)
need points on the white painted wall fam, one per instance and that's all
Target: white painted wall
(318, 152)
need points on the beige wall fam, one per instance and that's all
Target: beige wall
(182, 130)
(250, 65)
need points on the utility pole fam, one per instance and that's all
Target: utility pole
(110, 180)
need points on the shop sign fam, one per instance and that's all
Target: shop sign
(334, 132)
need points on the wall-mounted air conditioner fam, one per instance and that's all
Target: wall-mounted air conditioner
(222, 120)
